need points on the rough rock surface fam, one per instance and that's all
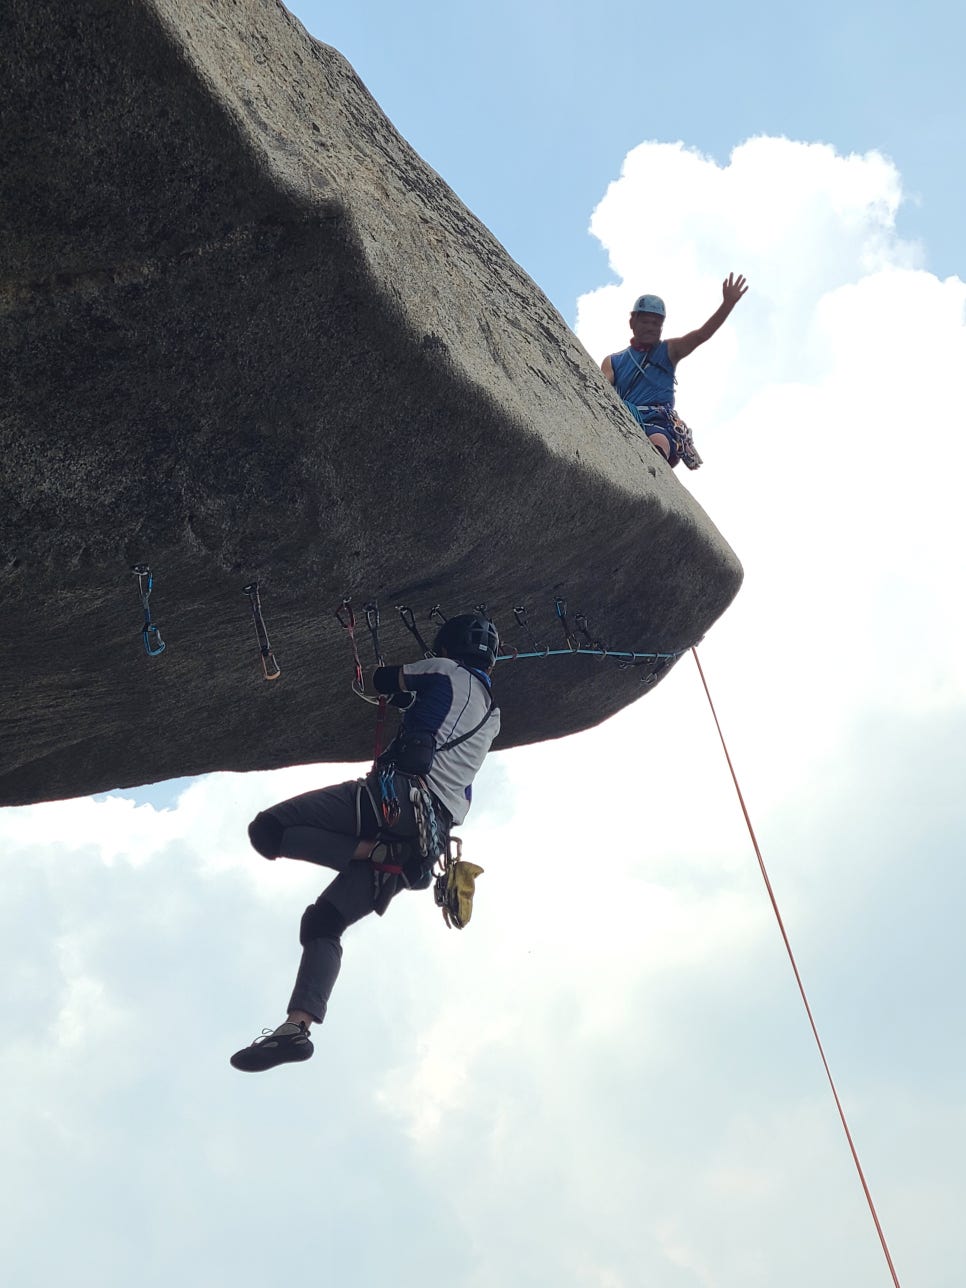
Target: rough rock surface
(248, 333)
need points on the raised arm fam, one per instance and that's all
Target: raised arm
(732, 289)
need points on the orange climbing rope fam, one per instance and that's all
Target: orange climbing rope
(798, 979)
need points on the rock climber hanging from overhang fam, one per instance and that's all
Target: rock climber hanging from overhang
(383, 833)
(643, 374)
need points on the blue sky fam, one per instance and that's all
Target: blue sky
(528, 109)
(608, 1079)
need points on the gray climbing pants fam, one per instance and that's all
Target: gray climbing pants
(324, 827)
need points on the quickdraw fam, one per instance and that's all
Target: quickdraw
(388, 799)
(560, 607)
(347, 620)
(372, 622)
(150, 634)
(520, 614)
(270, 668)
(427, 821)
(580, 622)
(409, 621)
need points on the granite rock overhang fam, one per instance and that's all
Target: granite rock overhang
(248, 334)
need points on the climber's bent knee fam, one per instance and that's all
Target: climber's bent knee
(661, 442)
(321, 920)
(265, 834)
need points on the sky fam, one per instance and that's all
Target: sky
(607, 1080)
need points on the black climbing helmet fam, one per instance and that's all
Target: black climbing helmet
(469, 638)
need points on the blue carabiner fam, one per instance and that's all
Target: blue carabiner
(150, 634)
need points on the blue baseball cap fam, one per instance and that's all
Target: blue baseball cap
(649, 304)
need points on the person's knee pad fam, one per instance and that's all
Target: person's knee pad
(265, 834)
(321, 920)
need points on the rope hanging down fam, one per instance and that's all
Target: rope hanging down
(798, 979)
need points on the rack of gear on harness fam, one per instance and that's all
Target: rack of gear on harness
(150, 633)
(270, 668)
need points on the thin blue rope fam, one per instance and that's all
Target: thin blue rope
(593, 652)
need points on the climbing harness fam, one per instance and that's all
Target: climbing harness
(663, 416)
(798, 978)
(666, 418)
(397, 857)
(150, 634)
(670, 423)
(270, 667)
(455, 885)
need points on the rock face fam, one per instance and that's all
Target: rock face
(249, 334)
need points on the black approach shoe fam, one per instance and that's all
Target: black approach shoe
(287, 1043)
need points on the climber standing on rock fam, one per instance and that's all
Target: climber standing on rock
(383, 833)
(643, 374)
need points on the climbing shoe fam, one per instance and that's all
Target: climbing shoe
(287, 1043)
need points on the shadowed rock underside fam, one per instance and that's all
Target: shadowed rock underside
(249, 334)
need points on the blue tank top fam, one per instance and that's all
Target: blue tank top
(644, 379)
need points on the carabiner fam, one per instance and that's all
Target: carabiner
(372, 622)
(153, 643)
(270, 667)
(150, 634)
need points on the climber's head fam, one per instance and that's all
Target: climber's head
(470, 638)
(647, 319)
